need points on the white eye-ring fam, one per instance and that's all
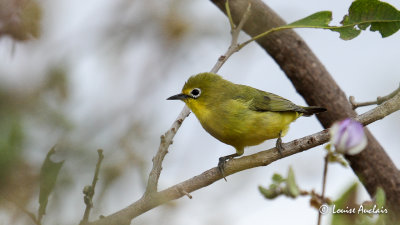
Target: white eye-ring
(195, 92)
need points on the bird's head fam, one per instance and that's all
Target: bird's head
(199, 90)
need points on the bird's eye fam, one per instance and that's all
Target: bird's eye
(195, 93)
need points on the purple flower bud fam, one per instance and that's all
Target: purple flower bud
(348, 137)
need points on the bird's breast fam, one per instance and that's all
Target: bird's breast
(233, 123)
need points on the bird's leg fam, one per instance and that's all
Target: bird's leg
(279, 144)
(223, 160)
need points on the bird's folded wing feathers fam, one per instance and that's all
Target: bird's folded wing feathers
(265, 101)
(262, 101)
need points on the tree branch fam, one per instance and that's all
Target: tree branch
(166, 139)
(378, 101)
(373, 166)
(262, 158)
(235, 31)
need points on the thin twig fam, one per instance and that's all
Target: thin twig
(32, 216)
(260, 36)
(228, 13)
(378, 101)
(89, 190)
(316, 196)
(262, 158)
(381, 111)
(242, 22)
(180, 189)
(324, 183)
(166, 139)
(234, 46)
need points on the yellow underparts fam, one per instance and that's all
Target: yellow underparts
(235, 124)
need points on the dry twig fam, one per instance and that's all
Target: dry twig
(89, 190)
(379, 100)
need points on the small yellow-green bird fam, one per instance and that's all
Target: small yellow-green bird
(239, 115)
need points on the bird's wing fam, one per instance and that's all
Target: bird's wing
(264, 101)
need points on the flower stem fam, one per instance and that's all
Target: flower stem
(323, 185)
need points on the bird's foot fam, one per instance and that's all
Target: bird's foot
(222, 162)
(279, 146)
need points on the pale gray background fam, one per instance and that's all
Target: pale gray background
(121, 69)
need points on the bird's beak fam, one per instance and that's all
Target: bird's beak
(180, 96)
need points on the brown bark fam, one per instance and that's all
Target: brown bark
(310, 78)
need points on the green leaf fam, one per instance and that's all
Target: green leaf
(48, 177)
(381, 16)
(318, 20)
(291, 186)
(347, 33)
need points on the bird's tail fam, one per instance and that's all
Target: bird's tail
(311, 110)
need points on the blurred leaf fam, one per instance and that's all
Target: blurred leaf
(269, 193)
(380, 201)
(277, 178)
(20, 19)
(291, 186)
(11, 139)
(362, 214)
(56, 81)
(380, 197)
(345, 201)
(281, 185)
(328, 147)
(48, 177)
(336, 157)
(173, 25)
